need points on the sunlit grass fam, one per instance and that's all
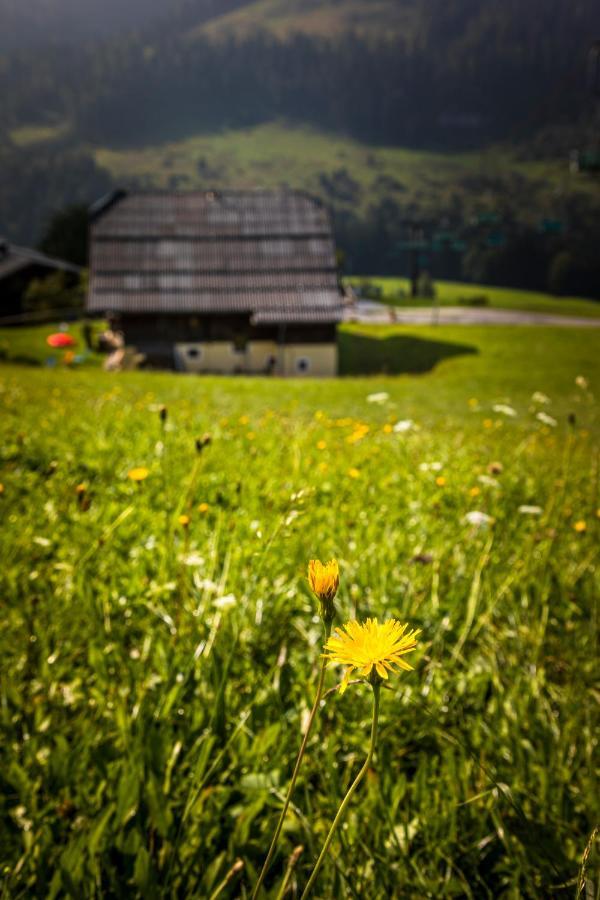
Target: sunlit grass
(396, 291)
(257, 157)
(155, 676)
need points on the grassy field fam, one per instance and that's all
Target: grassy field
(154, 678)
(347, 173)
(396, 291)
(28, 345)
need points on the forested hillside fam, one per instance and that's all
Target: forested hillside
(444, 75)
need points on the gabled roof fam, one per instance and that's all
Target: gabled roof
(213, 252)
(14, 259)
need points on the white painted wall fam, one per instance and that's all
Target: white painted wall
(292, 360)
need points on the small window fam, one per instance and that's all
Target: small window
(193, 352)
(303, 364)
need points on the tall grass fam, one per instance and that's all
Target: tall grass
(155, 679)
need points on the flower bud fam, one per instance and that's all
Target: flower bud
(324, 581)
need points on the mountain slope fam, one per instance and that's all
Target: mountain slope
(324, 18)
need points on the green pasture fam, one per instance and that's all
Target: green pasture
(396, 292)
(27, 345)
(346, 173)
(155, 678)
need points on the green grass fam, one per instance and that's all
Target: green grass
(396, 291)
(28, 345)
(153, 681)
(275, 153)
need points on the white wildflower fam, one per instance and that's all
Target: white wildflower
(379, 397)
(538, 397)
(478, 518)
(403, 425)
(546, 419)
(581, 382)
(225, 602)
(530, 510)
(504, 409)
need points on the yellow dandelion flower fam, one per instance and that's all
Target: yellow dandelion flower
(580, 526)
(184, 521)
(321, 445)
(487, 423)
(370, 648)
(81, 489)
(1, 488)
(324, 580)
(138, 474)
(474, 492)
(203, 507)
(244, 420)
(354, 473)
(440, 481)
(251, 435)
(387, 428)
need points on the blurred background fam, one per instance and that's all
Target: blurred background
(456, 137)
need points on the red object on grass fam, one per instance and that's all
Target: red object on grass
(60, 339)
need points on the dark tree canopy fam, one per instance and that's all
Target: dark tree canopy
(65, 236)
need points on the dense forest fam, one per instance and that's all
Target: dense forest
(454, 87)
(473, 73)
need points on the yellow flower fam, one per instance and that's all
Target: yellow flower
(371, 648)
(321, 445)
(324, 581)
(203, 507)
(184, 521)
(487, 423)
(440, 481)
(475, 492)
(354, 473)
(1, 488)
(138, 474)
(387, 428)
(81, 489)
(580, 526)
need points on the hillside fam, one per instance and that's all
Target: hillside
(437, 111)
(282, 18)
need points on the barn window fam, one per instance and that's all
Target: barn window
(303, 364)
(193, 352)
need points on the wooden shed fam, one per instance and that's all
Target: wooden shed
(19, 266)
(232, 281)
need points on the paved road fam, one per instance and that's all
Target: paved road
(379, 314)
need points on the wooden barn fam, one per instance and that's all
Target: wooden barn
(232, 281)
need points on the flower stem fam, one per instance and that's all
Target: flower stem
(292, 784)
(342, 809)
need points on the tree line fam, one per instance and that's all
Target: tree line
(452, 86)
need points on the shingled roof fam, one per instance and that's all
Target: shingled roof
(268, 253)
(14, 259)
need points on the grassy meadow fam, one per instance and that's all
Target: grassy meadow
(396, 292)
(155, 677)
(345, 173)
